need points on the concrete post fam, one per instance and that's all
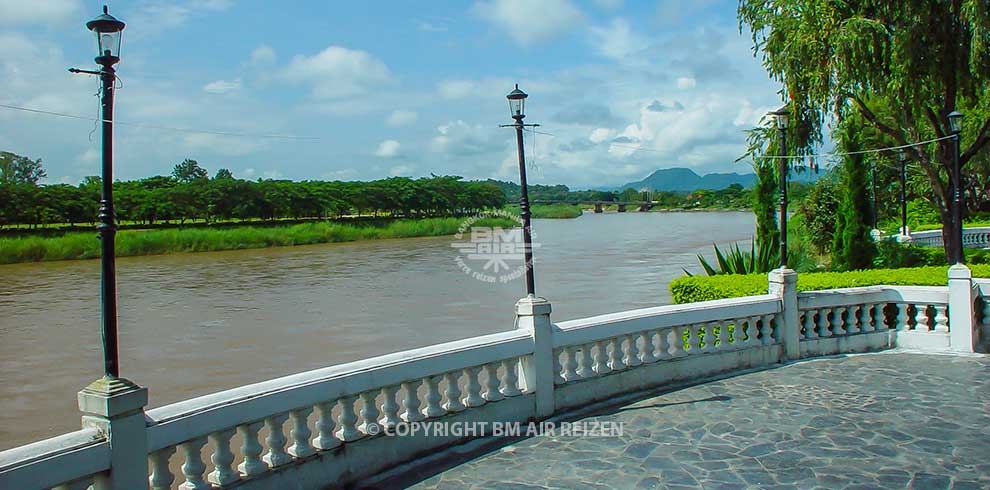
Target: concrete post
(783, 284)
(116, 407)
(961, 324)
(533, 315)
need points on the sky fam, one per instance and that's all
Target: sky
(396, 88)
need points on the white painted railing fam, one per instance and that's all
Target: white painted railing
(972, 237)
(337, 425)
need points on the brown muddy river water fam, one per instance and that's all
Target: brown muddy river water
(192, 324)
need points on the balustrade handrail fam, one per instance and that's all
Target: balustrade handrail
(63, 458)
(171, 424)
(873, 294)
(574, 332)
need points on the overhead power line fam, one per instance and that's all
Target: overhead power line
(155, 126)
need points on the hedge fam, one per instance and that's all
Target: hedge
(689, 289)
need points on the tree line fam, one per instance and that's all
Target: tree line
(190, 194)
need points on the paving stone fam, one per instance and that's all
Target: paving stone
(850, 423)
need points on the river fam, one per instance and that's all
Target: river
(192, 324)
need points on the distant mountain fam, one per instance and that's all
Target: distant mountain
(685, 179)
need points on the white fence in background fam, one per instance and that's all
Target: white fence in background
(333, 425)
(972, 238)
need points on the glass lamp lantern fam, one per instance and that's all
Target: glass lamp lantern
(107, 29)
(955, 121)
(517, 102)
(781, 117)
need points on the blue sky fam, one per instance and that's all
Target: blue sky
(389, 88)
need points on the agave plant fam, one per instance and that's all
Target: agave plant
(761, 258)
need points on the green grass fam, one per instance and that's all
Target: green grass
(84, 245)
(556, 211)
(705, 288)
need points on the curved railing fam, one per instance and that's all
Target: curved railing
(972, 238)
(342, 424)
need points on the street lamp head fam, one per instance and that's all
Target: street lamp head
(107, 29)
(955, 121)
(517, 102)
(780, 117)
(901, 155)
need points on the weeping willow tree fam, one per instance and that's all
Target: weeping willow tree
(918, 60)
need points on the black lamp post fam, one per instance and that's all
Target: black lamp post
(517, 107)
(903, 160)
(107, 30)
(780, 119)
(955, 125)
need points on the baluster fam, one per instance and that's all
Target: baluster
(492, 383)
(601, 358)
(809, 325)
(251, 449)
(615, 355)
(510, 380)
(370, 413)
(753, 332)
(921, 318)
(677, 342)
(347, 420)
(276, 455)
(161, 475)
(453, 392)
(693, 341)
(852, 319)
(631, 352)
(766, 332)
(390, 409)
(558, 379)
(193, 467)
(300, 433)
(823, 330)
(222, 459)
(838, 320)
(723, 335)
(902, 316)
(879, 321)
(647, 355)
(864, 318)
(584, 369)
(941, 319)
(663, 345)
(706, 331)
(433, 408)
(570, 365)
(325, 439)
(411, 401)
(473, 398)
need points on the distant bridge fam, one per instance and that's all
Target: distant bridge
(600, 205)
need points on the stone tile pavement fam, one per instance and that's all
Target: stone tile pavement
(888, 420)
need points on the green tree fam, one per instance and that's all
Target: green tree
(820, 210)
(767, 230)
(15, 169)
(223, 174)
(902, 66)
(854, 247)
(188, 171)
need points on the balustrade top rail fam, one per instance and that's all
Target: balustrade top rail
(57, 460)
(975, 237)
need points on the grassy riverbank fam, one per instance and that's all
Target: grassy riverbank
(84, 245)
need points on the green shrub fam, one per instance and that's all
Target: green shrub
(689, 289)
(893, 255)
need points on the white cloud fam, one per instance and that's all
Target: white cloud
(223, 86)
(459, 138)
(338, 72)
(388, 149)
(401, 117)
(601, 134)
(617, 40)
(527, 21)
(15, 12)
(402, 170)
(487, 87)
(272, 174)
(263, 55)
(685, 83)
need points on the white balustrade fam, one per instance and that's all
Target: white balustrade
(492, 383)
(433, 398)
(615, 355)
(347, 420)
(921, 318)
(410, 402)
(601, 358)
(647, 356)
(631, 352)
(251, 449)
(453, 392)
(510, 380)
(193, 467)
(941, 319)
(902, 316)
(585, 367)
(325, 439)
(571, 365)
(161, 477)
(809, 325)
(473, 398)
(369, 413)
(276, 440)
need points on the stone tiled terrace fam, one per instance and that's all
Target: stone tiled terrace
(888, 420)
